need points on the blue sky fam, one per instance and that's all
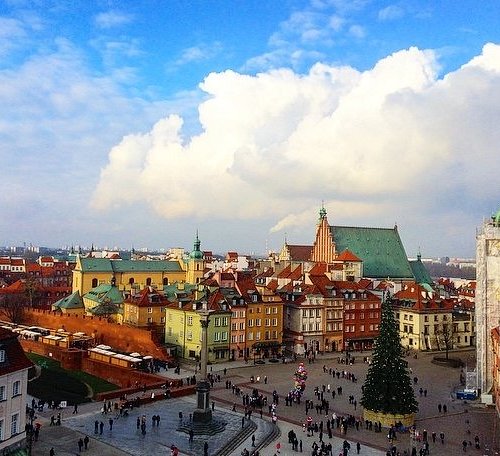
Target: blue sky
(138, 122)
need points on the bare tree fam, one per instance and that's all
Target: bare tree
(447, 335)
(13, 306)
(31, 289)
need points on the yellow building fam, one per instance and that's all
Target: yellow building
(183, 328)
(147, 310)
(128, 274)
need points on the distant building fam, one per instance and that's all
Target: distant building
(487, 299)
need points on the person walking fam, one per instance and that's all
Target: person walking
(80, 445)
(86, 442)
(52, 452)
(111, 424)
(191, 436)
(358, 447)
(75, 409)
(205, 449)
(101, 427)
(441, 436)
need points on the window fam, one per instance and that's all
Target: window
(435, 318)
(217, 337)
(224, 336)
(169, 331)
(190, 320)
(275, 310)
(2, 393)
(268, 310)
(250, 323)
(94, 283)
(304, 312)
(362, 328)
(16, 388)
(224, 321)
(268, 322)
(304, 327)
(275, 322)
(1, 430)
(150, 310)
(275, 334)
(266, 335)
(257, 335)
(250, 336)
(318, 312)
(148, 281)
(2, 356)
(14, 424)
(189, 335)
(162, 319)
(242, 326)
(426, 318)
(233, 326)
(411, 317)
(318, 326)
(233, 338)
(258, 322)
(405, 317)
(150, 320)
(241, 338)
(217, 321)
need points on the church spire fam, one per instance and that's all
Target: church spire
(322, 211)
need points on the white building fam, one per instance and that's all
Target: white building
(487, 299)
(14, 367)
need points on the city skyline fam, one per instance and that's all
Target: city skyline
(139, 123)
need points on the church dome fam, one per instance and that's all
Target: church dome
(196, 254)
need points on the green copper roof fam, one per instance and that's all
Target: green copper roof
(105, 293)
(420, 272)
(380, 249)
(106, 265)
(73, 301)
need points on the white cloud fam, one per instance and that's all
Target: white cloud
(390, 13)
(357, 31)
(199, 53)
(394, 140)
(110, 19)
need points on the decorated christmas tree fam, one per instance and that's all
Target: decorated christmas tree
(388, 386)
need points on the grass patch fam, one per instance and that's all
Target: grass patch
(58, 384)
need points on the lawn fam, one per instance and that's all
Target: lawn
(58, 384)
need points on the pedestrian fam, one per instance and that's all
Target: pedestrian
(439, 408)
(278, 447)
(253, 440)
(96, 426)
(445, 409)
(213, 406)
(441, 436)
(265, 379)
(111, 424)
(464, 446)
(358, 447)
(75, 409)
(205, 449)
(138, 423)
(191, 436)
(300, 445)
(101, 427)
(52, 452)
(86, 441)
(80, 445)
(242, 422)
(433, 437)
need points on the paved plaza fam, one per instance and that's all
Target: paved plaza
(462, 421)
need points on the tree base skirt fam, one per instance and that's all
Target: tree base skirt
(389, 419)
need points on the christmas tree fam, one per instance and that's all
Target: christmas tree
(388, 386)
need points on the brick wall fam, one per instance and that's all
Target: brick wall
(123, 338)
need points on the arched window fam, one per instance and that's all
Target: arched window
(94, 282)
(131, 281)
(148, 281)
(165, 280)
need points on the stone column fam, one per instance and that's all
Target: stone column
(203, 414)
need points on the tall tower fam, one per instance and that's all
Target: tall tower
(487, 302)
(196, 264)
(323, 250)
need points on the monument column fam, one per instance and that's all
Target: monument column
(203, 413)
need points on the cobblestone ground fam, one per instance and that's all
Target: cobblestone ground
(440, 383)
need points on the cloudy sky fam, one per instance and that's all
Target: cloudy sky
(136, 123)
